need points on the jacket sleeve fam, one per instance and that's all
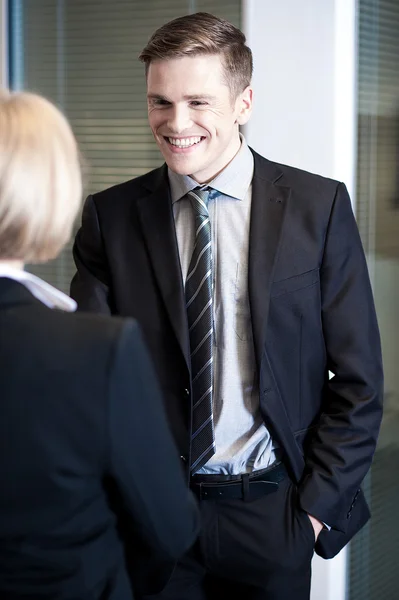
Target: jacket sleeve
(342, 448)
(90, 285)
(143, 460)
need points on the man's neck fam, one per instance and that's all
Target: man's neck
(234, 153)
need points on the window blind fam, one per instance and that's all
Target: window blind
(82, 54)
(373, 557)
(378, 119)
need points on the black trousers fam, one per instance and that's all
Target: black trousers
(254, 550)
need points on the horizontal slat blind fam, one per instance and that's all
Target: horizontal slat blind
(378, 126)
(83, 55)
(374, 573)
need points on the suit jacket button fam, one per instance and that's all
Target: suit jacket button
(187, 392)
(184, 459)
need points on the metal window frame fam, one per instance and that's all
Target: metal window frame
(3, 43)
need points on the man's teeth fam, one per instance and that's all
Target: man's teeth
(184, 142)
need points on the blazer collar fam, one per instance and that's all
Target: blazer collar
(269, 206)
(40, 289)
(14, 293)
(156, 216)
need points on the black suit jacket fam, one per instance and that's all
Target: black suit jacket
(312, 311)
(84, 449)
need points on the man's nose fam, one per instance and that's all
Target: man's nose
(179, 119)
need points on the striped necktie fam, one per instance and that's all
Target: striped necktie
(198, 291)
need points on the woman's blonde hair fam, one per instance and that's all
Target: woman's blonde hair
(40, 178)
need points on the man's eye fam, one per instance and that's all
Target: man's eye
(160, 102)
(197, 103)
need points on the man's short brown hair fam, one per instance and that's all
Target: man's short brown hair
(203, 34)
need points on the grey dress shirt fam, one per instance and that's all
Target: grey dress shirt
(243, 443)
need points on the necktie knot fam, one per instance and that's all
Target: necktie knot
(199, 198)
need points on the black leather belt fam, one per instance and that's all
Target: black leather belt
(232, 487)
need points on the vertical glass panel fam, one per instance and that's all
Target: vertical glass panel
(83, 54)
(374, 572)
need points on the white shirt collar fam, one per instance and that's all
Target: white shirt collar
(46, 293)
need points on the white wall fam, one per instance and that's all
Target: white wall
(305, 115)
(304, 82)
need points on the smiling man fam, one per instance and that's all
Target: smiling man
(194, 114)
(250, 284)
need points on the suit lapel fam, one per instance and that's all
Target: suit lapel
(269, 207)
(156, 215)
(269, 203)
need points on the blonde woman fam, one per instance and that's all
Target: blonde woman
(81, 420)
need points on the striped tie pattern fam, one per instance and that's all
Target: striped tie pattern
(198, 291)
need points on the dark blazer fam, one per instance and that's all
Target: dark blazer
(82, 429)
(312, 311)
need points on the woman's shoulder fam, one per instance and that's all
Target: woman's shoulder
(84, 334)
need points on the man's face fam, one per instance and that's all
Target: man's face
(193, 116)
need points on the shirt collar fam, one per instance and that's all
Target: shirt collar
(233, 181)
(41, 290)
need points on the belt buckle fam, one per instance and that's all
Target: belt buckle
(203, 494)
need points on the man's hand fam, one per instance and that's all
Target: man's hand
(317, 526)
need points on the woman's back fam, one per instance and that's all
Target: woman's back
(80, 416)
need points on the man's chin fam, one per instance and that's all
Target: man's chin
(179, 168)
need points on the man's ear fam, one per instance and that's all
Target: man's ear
(244, 106)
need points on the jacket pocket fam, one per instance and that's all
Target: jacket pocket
(295, 283)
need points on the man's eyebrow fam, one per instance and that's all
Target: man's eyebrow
(199, 97)
(156, 97)
(187, 97)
